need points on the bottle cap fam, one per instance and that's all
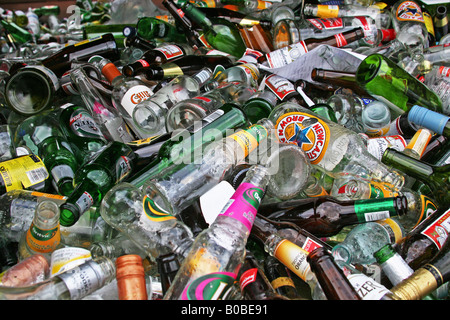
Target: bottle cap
(429, 119)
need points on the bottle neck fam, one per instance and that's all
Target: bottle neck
(110, 71)
(416, 168)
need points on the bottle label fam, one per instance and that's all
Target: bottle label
(67, 258)
(280, 86)
(123, 168)
(367, 288)
(439, 230)
(293, 257)
(248, 277)
(328, 24)
(84, 202)
(428, 208)
(212, 286)
(444, 71)
(340, 40)
(153, 212)
(83, 125)
(309, 245)
(244, 204)
(82, 280)
(393, 229)
(24, 171)
(143, 63)
(135, 95)
(306, 131)
(284, 56)
(409, 11)
(377, 146)
(41, 240)
(377, 190)
(251, 72)
(61, 171)
(170, 51)
(371, 211)
(327, 11)
(249, 139)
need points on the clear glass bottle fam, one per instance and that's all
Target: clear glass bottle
(218, 252)
(330, 147)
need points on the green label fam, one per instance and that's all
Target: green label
(369, 210)
(154, 212)
(43, 235)
(213, 286)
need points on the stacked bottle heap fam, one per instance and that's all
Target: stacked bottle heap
(225, 150)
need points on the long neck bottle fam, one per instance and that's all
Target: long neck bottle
(218, 252)
(109, 166)
(155, 231)
(152, 28)
(330, 147)
(74, 284)
(280, 278)
(107, 117)
(435, 177)
(425, 279)
(126, 94)
(326, 216)
(427, 239)
(332, 279)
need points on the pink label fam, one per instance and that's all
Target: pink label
(244, 204)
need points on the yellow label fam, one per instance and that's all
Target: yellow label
(282, 282)
(172, 70)
(428, 207)
(429, 24)
(393, 228)
(144, 141)
(419, 141)
(293, 257)
(306, 131)
(249, 139)
(409, 11)
(23, 171)
(327, 11)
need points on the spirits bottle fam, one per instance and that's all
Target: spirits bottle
(426, 240)
(219, 33)
(42, 135)
(391, 84)
(130, 277)
(155, 231)
(74, 284)
(179, 188)
(326, 216)
(435, 177)
(330, 147)
(107, 117)
(158, 55)
(44, 235)
(330, 276)
(253, 282)
(81, 131)
(112, 164)
(127, 92)
(218, 252)
(434, 121)
(363, 240)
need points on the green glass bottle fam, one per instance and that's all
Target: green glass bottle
(47, 10)
(150, 28)
(437, 178)
(187, 142)
(42, 135)
(388, 82)
(19, 34)
(219, 33)
(82, 132)
(94, 30)
(105, 169)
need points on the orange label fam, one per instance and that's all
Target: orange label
(294, 257)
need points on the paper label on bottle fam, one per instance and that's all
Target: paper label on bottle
(170, 51)
(214, 199)
(135, 95)
(293, 257)
(43, 240)
(153, 212)
(83, 125)
(438, 231)
(280, 86)
(247, 277)
(249, 139)
(284, 56)
(244, 204)
(332, 23)
(84, 202)
(123, 168)
(327, 11)
(377, 146)
(444, 71)
(67, 258)
(143, 63)
(428, 207)
(367, 288)
(310, 245)
(212, 286)
(24, 171)
(409, 11)
(306, 131)
(61, 171)
(82, 280)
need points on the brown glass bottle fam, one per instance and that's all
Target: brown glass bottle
(342, 79)
(257, 38)
(427, 239)
(332, 279)
(325, 216)
(130, 276)
(61, 61)
(254, 283)
(280, 278)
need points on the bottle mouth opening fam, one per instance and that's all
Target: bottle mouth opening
(368, 69)
(69, 214)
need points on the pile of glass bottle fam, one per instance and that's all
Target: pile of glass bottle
(226, 150)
